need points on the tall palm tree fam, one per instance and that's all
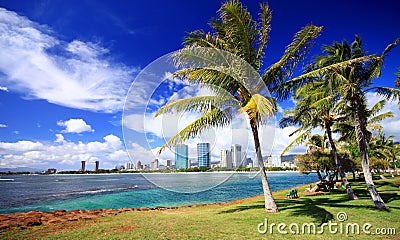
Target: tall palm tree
(316, 108)
(345, 124)
(352, 82)
(236, 32)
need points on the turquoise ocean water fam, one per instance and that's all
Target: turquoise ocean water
(51, 192)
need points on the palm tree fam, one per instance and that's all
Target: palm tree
(345, 124)
(352, 82)
(398, 79)
(235, 32)
(316, 108)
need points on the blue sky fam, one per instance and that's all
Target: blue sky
(66, 67)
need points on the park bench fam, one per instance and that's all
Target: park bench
(292, 194)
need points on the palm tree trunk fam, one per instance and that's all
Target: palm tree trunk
(350, 192)
(270, 205)
(319, 175)
(363, 148)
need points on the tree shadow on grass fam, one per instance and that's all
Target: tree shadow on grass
(315, 206)
(259, 205)
(307, 207)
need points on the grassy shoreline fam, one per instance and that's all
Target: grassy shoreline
(237, 219)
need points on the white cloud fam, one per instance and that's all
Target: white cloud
(62, 153)
(60, 138)
(3, 89)
(76, 74)
(20, 146)
(3, 125)
(75, 126)
(390, 125)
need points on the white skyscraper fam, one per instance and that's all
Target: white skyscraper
(226, 159)
(236, 151)
(155, 164)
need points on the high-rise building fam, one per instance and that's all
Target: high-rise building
(226, 159)
(155, 164)
(236, 151)
(96, 166)
(83, 166)
(168, 162)
(203, 154)
(139, 165)
(128, 165)
(181, 156)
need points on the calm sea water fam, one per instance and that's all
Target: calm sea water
(50, 192)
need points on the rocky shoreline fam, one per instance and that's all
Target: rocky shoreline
(36, 218)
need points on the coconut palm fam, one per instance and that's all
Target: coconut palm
(352, 82)
(345, 124)
(235, 32)
(316, 108)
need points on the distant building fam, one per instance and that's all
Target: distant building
(203, 154)
(273, 161)
(236, 151)
(168, 162)
(83, 166)
(129, 165)
(96, 166)
(189, 163)
(248, 163)
(155, 164)
(139, 165)
(51, 171)
(226, 159)
(276, 161)
(181, 156)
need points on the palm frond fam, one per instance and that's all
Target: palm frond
(318, 73)
(204, 63)
(260, 108)
(277, 74)
(380, 117)
(391, 94)
(197, 104)
(263, 32)
(240, 29)
(390, 47)
(296, 142)
(213, 118)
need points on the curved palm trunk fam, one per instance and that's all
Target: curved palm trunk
(319, 175)
(350, 192)
(363, 148)
(270, 205)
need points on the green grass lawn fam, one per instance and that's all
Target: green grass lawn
(240, 220)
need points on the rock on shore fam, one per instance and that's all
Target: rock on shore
(35, 218)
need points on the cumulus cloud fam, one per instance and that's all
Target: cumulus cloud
(69, 154)
(3, 125)
(3, 89)
(76, 74)
(75, 126)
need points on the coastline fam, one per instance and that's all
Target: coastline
(36, 218)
